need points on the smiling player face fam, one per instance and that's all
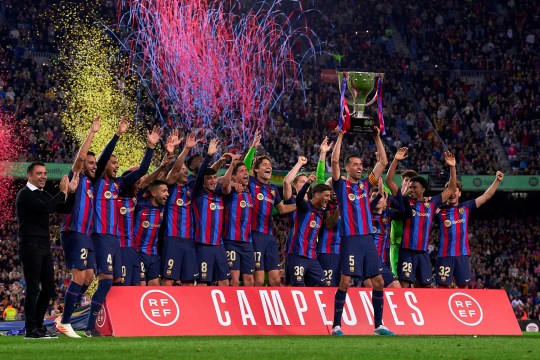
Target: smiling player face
(354, 168)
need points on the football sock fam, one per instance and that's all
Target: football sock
(72, 293)
(84, 287)
(378, 303)
(338, 306)
(97, 301)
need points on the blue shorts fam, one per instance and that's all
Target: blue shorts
(241, 256)
(457, 267)
(179, 259)
(78, 252)
(330, 266)
(266, 251)
(414, 265)
(213, 264)
(131, 266)
(150, 266)
(108, 258)
(387, 274)
(304, 271)
(359, 257)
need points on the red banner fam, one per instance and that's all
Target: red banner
(170, 311)
(329, 76)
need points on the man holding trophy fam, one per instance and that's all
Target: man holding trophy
(358, 254)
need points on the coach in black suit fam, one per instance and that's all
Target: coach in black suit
(34, 205)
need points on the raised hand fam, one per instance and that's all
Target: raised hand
(237, 186)
(96, 125)
(166, 160)
(499, 176)
(325, 146)
(153, 137)
(401, 153)
(172, 141)
(192, 141)
(302, 160)
(449, 158)
(377, 131)
(256, 139)
(64, 184)
(72, 185)
(405, 186)
(123, 126)
(235, 157)
(213, 146)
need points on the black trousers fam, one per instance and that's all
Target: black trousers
(38, 270)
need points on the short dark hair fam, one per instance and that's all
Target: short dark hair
(408, 174)
(155, 184)
(91, 153)
(33, 165)
(421, 181)
(350, 156)
(210, 172)
(259, 159)
(320, 188)
(190, 160)
(237, 166)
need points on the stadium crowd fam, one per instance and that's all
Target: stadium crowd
(427, 82)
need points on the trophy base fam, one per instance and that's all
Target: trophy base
(362, 125)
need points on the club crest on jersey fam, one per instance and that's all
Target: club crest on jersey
(312, 224)
(385, 221)
(188, 193)
(260, 196)
(134, 199)
(426, 205)
(123, 210)
(243, 204)
(447, 223)
(361, 186)
(461, 210)
(89, 193)
(179, 202)
(145, 224)
(203, 275)
(374, 229)
(213, 206)
(413, 213)
(352, 197)
(108, 194)
(273, 192)
(443, 278)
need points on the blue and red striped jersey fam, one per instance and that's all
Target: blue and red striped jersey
(353, 200)
(307, 224)
(329, 239)
(238, 208)
(126, 213)
(105, 206)
(209, 209)
(81, 215)
(265, 197)
(179, 220)
(417, 228)
(454, 224)
(381, 233)
(147, 223)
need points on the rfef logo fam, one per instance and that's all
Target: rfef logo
(101, 317)
(465, 309)
(159, 308)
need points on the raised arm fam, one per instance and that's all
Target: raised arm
(152, 139)
(248, 159)
(226, 179)
(336, 153)
(83, 151)
(488, 194)
(301, 203)
(173, 174)
(199, 180)
(289, 178)
(382, 159)
(109, 148)
(321, 165)
(400, 155)
(452, 183)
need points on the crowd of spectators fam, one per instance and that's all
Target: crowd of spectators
(428, 94)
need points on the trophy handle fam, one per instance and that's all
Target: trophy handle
(374, 98)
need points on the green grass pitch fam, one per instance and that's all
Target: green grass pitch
(286, 347)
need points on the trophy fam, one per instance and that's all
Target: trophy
(360, 85)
